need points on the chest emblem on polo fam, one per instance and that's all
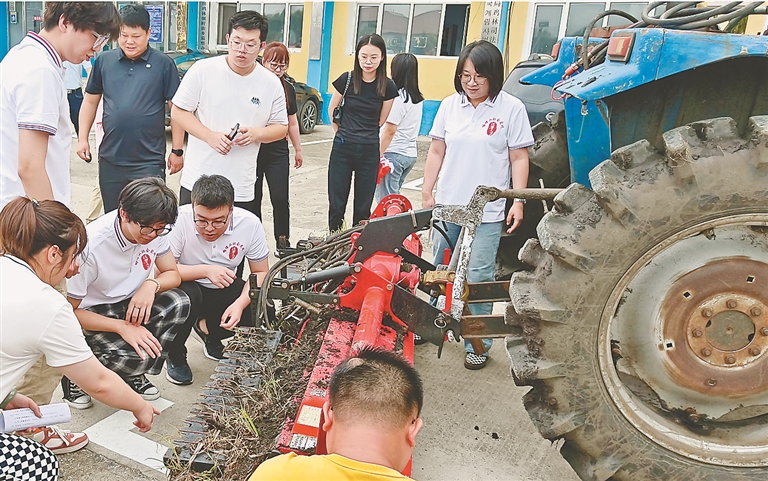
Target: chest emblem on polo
(232, 252)
(146, 261)
(232, 249)
(492, 125)
(255, 101)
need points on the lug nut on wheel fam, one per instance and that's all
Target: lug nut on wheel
(730, 359)
(764, 331)
(755, 312)
(706, 352)
(731, 304)
(754, 351)
(697, 332)
(707, 313)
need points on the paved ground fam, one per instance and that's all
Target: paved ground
(475, 425)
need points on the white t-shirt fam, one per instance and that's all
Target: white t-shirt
(244, 238)
(33, 97)
(407, 117)
(477, 145)
(220, 98)
(112, 268)
(36, 320)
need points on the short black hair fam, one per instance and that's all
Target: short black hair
(250, 20)
(148, 201)
(133, 15)
(377, 387)
(487, 61)
(405, 74)
(101, 17)
(213, 191)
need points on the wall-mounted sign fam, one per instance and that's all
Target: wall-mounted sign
(155, 23)
(491, 22)
(14, 17)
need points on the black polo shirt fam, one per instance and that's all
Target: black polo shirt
(134, 93)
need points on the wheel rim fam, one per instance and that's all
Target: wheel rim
(308, 119)
(683, 341)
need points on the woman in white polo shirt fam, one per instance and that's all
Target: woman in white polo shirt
(398, 135)
(40, 242)
(480, 136)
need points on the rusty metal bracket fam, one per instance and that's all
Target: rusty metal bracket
(487, 326)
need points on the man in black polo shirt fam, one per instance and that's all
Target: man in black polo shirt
(136, 81)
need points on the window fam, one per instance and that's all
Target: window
(226, 10)
(275, 14)
(394, 27)
(546, 28)
(634, 9)
(421, 29)
(286, 22)
(295, 26)
(579, 16)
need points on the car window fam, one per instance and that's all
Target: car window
(526, 93)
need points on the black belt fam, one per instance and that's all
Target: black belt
(79, 89)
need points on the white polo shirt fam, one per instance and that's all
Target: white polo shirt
(33, 97)
(112, 268)
(407, 117)
(36, 320)
(477, 145)
(243, 238)
(220, 98)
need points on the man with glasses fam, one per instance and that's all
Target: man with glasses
(210, 239)
(221, 92)
(135, 82)
(128, 317)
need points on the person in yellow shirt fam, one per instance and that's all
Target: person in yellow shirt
(371, 421)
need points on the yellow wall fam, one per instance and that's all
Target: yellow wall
(517, 25)
(299, 60)
(435, 73)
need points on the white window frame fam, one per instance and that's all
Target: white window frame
(213, 24)
(566, 4)
(355, 12)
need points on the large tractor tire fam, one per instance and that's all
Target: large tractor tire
(644, 324)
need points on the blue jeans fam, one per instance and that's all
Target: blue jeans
(393, 181)
(482, 262)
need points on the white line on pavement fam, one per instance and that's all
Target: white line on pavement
(414, 184)
(113, 433)
(312, 142)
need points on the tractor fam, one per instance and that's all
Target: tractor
(640, 319)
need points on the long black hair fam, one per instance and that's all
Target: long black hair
(381, 72)
(405, 74)
(487, 61)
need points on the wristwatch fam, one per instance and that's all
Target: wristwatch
(178, 152)
(522, 201)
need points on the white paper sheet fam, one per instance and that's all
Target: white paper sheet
(18, 419)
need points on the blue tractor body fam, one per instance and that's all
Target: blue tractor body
(671, 78)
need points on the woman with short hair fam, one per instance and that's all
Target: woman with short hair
(39, 244)
(399, 133)
(480, 136)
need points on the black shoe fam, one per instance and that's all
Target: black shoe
(214, 352)
(74, 396)
(178, 373)
(143, 387)
(474, 362)
(198, 333)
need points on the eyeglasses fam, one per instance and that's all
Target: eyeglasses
(216, 224)
(277, 66)
(237, 45)
(100, 40)
(372, 59)
(479, 79)
(159, 232)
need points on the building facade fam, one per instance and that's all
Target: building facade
(321, 36)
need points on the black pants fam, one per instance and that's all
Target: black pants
(208, 304)
(346, 158)
(75, 99)
(274, 164)
(113, 178)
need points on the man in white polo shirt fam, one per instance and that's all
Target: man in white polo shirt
(209, 240)
(129, 318)
(35, 135)
(219, 93)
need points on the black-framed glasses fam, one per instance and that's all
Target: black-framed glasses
(277, 65)
(216, 224)
(159, 232)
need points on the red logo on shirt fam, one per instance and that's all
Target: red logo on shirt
(492, 125)
(232, 252)
(232, 249)
(146, 261)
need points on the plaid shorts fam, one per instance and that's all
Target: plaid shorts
(23, 459)
(171, 308)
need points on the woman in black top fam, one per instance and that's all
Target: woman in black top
(273, 161)
(367, 99)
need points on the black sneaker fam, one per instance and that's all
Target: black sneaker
(214, 352)
(178, 373)
(143, 387)
(74, 396)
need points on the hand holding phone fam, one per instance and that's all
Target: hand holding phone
(234, 132)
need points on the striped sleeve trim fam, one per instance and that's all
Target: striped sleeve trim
(521, 146)
(437, 137)
(160, 254)
(41, 127)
